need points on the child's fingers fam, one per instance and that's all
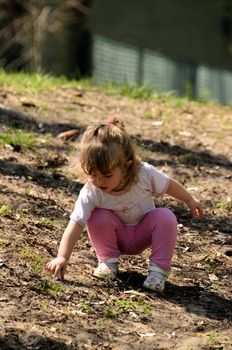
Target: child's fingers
(57, 271)
(62, 272)
(198, 212)
(49, 267)
(53, 269)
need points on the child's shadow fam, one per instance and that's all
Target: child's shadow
(194, 299)
(130, 280)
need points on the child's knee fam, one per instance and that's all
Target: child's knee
(170, 216)
(167, 216)
(100, 217)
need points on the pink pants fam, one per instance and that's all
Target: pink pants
(111, 238)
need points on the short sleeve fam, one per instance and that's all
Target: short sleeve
(157, 180)
(87, 200)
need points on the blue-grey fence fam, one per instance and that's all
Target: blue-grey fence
(120, 62)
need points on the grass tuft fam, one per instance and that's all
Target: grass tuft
(21, 139)
(35, 261)
(5, 210)
(46, 287)
(135, 91)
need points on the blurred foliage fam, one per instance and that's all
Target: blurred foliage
(24, 25)
(223, 8)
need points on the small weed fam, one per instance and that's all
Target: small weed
(45, 222)
(86, 307)
(46, 287)
(5, 210)
(209, 261)
(224, 204)
(144, 306)
(120, 306)
(110, 312)
(43, 306)
(35, 261)
(125, 305)
(213, 340)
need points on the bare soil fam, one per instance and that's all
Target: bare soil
(191, 142)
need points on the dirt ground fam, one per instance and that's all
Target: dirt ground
(191, 142)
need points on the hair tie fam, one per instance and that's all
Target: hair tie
(112, 121)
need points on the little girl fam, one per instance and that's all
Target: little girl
(116, 203)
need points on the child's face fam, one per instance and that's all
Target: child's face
(109, 182)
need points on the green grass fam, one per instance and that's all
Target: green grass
(111, 309)
(134, 91)
(210, 261)
(38, 82)
(121, 306)
(22, 139)
(23, 82)
(213, 340)
(143, 92)
(45, 222)
(5, 210)
(34, 260)
(46, 287)
(223, 204)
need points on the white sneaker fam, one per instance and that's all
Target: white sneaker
(156, 278)
(107, 269)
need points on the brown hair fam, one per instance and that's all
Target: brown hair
(103, 147)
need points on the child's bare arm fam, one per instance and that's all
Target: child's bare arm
(177, 191)
(71, 235)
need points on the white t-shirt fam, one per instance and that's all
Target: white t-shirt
(130, 206)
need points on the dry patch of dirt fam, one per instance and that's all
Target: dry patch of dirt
(189, 141)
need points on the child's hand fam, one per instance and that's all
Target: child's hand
(58, 267)
(195, 207)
